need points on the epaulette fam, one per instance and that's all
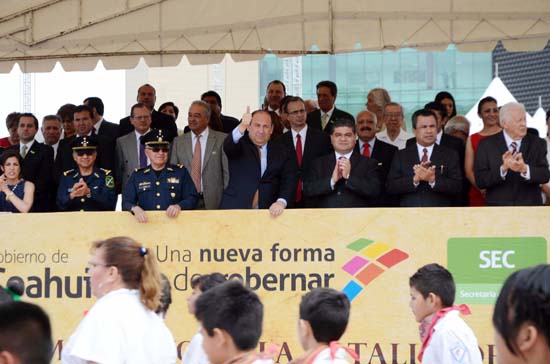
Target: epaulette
(139, 169)
(106, 171)
(67, 172)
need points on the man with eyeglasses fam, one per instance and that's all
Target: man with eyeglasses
(130, 153)
(393, 119)
(159, 186)
(303, 143)
(86, 188)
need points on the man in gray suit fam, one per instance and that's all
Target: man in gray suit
(130, 153)
(200, 151)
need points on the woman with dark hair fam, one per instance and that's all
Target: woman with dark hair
(522, 317)
(277, 125)
(488, 112)
(446, 99)
(16, 194)
(122, 326)
(169, 108)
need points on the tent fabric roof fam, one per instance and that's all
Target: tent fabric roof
(38, 33)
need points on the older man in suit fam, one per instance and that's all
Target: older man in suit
(425, 174)
(201, 152)
(303, 143)
(322, 118)
(261, 173)
(512, 164)
(370, 146)
(37, 163)
(130, 153)
(344, 178)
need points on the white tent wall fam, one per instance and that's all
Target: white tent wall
(37, 33)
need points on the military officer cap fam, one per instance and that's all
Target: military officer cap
(155, 138)
(84, 143)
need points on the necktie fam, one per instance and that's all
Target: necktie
(324, 121)
(256, 198)
(514, 147)
(424, 155)
(196, 164)
(24, 151)
(299, 159)
(366, 150)
(142, 156)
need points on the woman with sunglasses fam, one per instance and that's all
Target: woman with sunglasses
(16, 194)
(122, 326)
(159, 186)
(86, 188)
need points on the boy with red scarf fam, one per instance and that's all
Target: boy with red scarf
(445, 337)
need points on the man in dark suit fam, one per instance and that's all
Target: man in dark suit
(450, 142)
(512, 164)
(213, 98)
(84, 127)
(343, 178)
(102, 127)
(37, 163)
(369, 146)
(322, 118)
(261, 173)
(303, 143)
(147, 95)
(425, 174)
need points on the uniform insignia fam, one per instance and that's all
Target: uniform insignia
(136, 169)
(180, 166)
(109, 181)
(173, 194)
(106, 171)
(97, 175)
(170, 169)
(67, 172)
(173, 180)
(95, 188)
(147, 170)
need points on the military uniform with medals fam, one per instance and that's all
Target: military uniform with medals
(102, 196)
(157, 190)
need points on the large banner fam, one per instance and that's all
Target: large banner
(368, 253)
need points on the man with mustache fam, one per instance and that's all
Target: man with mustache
(371, 147)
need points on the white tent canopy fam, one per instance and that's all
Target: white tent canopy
(77, 33)
(500, 92)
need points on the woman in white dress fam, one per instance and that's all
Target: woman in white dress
(122, 326)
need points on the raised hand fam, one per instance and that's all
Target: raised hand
(245, 120)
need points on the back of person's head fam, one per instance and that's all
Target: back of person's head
(433, 278)
(25, 333)
(436, 106)
(207, 281)
(136, 265)
(95, 102)
(233, 308)
(327, 312)
(165, 295)
(524, 300)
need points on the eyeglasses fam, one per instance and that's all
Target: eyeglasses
(158, 149)
(142, 117)
(84, 152)
(296, 112)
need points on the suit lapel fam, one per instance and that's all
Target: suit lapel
(525, 147)
(501, 143)
(209, 147)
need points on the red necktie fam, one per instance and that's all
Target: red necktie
(425, 155)
(366, 150)
(299, 158)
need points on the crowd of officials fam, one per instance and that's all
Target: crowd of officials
(125, 324)
(291, 153)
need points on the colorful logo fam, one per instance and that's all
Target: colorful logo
(372, 259)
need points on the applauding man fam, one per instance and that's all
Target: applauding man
(86, 188)
(512, 164)
(425, 174)
(159, 186)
